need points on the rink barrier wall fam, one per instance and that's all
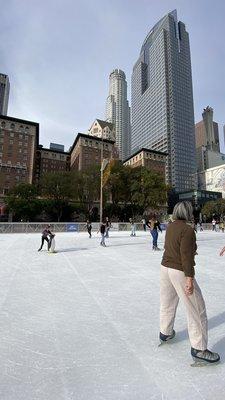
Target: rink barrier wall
(75, 227)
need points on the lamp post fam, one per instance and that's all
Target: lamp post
(101, 182)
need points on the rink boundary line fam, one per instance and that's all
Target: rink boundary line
(128, 345)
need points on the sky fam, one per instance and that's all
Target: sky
(58, 55)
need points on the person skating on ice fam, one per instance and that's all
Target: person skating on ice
(144, 224)
(46, 232)
(102, 230)
(89, 228)
(177, 282)
(154, 227)
(108, 226)
(133, 227)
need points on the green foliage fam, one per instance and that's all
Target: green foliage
(212, 208)
(86, 186)
(56, 187)
(22, 202)
(140, 188)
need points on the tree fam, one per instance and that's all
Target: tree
(58, 188)
(22, 201)
(137, 188)
(86, 186)
(148, 190)
(115, 182)
(212, 208)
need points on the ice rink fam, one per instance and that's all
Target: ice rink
(82, 324)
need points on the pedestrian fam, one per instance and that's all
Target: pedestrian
(222, 226)
(108, 226)
(102, 231)
(89, 228)
(46, 232)
(177, 281)
(144, 224)
(154, 227)
(133, 227)
(214, 224)
(217, 226)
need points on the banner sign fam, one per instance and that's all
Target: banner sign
(72, 228)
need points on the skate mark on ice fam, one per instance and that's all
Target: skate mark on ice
(115, 327)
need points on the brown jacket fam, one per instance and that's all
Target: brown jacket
(180, 247)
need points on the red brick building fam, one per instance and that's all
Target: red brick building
(86, 151)
(49, 160)
(151, 159)
(18, 145)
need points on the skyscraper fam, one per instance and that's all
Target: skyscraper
(207, 132)
(162, 100)
(118, 111)
(4, 94)
(207, 142)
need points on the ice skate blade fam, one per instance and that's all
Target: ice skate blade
(167, 342)
(203, 363)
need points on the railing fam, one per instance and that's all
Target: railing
(32, 227)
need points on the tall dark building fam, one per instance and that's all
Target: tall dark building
(162, 100)
(4, 94)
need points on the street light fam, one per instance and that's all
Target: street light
(104, 162)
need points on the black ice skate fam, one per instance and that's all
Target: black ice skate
(204, 357)
(165, 338)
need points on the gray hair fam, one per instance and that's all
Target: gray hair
(183, 210)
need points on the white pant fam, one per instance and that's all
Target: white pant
(172, 285)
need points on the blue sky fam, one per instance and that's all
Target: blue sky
(58, 55)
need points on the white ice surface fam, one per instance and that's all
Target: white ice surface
(82, 324)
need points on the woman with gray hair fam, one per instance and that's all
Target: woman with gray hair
(177, 281)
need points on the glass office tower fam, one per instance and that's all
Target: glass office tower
(162, 100)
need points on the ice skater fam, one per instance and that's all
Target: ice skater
(108, 226)
(144, 224)
(154, 227)
(46, 232)
(214, 224)
(133, 227)
(177, 281)
(102, 230)
(89, 228)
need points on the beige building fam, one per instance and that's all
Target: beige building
(86, 151)
(207, 142)
(102, 129)
(151, 159)
(18, 144)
